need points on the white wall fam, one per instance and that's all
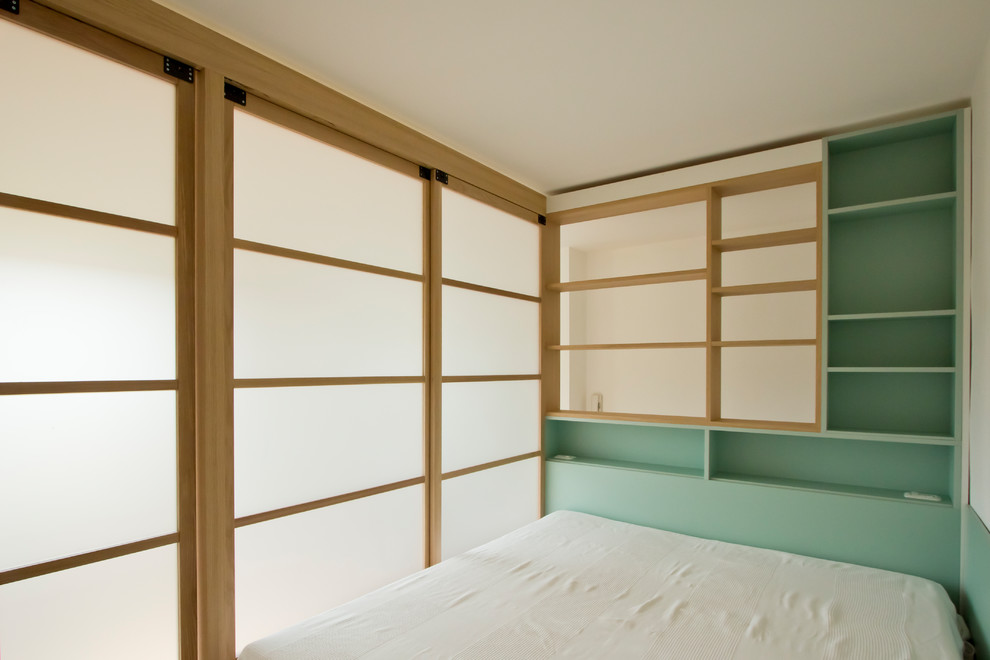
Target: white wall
(979, 460)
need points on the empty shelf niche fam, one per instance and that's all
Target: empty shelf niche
(647, 447)
(896, 260)
(892, 342)
(884, 470)
(903, 161)
(918, 403)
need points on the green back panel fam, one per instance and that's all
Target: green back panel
(893, 263)
(894, 170)
(910, 403)
(679, 447)
(903, 342)
(915, 467)
(899, 536)
(976, 576)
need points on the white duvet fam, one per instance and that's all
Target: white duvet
(577, 586)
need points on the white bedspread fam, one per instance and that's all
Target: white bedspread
(577, 586)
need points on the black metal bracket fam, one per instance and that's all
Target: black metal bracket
(424, 173)
(179, 70)
(542, 219)
(442, 177)
(234, 93)
(13, 6)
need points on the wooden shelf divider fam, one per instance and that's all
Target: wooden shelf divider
(755, 343)
(610, 347)
(630, 280)
(769, 287)
(773, 239)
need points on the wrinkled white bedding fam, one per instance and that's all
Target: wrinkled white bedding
(578, 586)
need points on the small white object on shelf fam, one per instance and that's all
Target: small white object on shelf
(928, 497)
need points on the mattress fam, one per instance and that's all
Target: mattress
(573, 585)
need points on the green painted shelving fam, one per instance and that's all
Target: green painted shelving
(892, 280)
(657, 468)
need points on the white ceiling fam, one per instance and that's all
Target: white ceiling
(564, 93)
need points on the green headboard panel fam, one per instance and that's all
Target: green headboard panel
(907, 537)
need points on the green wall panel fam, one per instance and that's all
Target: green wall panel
(911, 538)
(976, 580)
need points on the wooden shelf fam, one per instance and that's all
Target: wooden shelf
(627, 417)
(918, 203)
(892, 370)
(755, 343)
(892, 315)
(630, 280)
(903, 438)
(774, 239)
(767, 425)
(673, 470)
(830, 488)
(612, 347)
(769, 287)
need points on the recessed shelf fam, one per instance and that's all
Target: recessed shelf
(902, 403)
(654, 468)
(830, 488)
(892, 315)
(897, 261)
(832, 464)
(911, 160)
(876, 209)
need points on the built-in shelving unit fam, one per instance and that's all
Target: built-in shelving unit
(647, 332)
(882, 458)
(892, 240)
(890, 370)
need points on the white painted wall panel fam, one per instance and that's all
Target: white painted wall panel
(485, 245)
(296, 192)
(84, 301)
(111, 610)
(291, 568)
(82, 472)
(484, 422)
(294, 319)
(300, 444)
(482, 506)
(489, 334)
(80, 129)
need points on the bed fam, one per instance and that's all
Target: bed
(573, 585)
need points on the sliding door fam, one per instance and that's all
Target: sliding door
(329, 398)
(94, 293)
(488, 440)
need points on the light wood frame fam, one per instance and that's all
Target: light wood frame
(711, 194)
(51, 23)
(437, 282)
(138, 33)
